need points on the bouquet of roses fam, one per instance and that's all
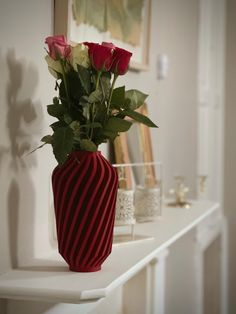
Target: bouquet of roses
(89, 109)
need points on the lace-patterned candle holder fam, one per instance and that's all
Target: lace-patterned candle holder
(147, 203)
(148, 192)
(146, 178)
(125, 208)
(125, 198)
(139, 198)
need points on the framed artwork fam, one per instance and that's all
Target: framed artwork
(140, 150)
(126, 23)
(147, 152)
(122, 157)
(135, 146)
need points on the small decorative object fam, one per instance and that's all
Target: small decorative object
(202, 188)
(124, 202)
(147, 203)
(148, 196)
(89, 111)
(179, 192)
(125, 208)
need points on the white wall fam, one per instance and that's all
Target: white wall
(25, 90)
(173, 102)
(230, 147)
(176, 107)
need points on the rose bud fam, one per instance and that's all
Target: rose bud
(100, 56)
(121, 59)
(58, 47)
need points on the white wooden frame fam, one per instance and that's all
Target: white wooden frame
(210, 136)
(40, 283)
(207, 232)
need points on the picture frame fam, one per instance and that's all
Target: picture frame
(130, 29)
(145, 135)
(121, 153)
(141, 151)
(135, 147)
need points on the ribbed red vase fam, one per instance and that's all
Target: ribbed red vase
(85, 189)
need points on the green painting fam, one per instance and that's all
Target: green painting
(122, 18)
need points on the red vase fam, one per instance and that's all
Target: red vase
(85, 189)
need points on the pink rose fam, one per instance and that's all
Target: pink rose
(100, 56)
(58, 47)
(121, 59)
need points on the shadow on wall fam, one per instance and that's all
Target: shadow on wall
(23, 121)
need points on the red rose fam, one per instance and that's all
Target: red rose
(121, 59)
(100, 56)
(110, 45)
(58, 47)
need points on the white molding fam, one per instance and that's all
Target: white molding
(156, 280)
(211, 93)
(209, 230)
(206, 233)
(211, 96)
(60, 285)
(224, 267)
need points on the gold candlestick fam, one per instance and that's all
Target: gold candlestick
(179, 192)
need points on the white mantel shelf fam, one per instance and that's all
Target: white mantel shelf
(49, 279)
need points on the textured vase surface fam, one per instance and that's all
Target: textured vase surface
(85, 190)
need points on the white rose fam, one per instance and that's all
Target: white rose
(79, 55)
(54, 66)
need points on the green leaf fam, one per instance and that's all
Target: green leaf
(74, 85)
(75, 126)
(115, 124)
(136, 98)
(62, 144)
(101, 112)
(93, 125)
(67, 118)
(34, 150)
(54, 65)
(118, 97)
(84, 76)
(55, 100)
(88, 145)
(139, 118)
(127, 103)
(55, 74)
(95, 96)
(57, 124)
(100, 139)
(56, 110)
(84, 101)
(111, 135)
(47, 139)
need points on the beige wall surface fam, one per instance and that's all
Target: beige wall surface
(230, 147)
(175, 105)
(172, 102)
(25, 89)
